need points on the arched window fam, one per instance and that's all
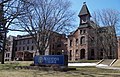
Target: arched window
(82, 40)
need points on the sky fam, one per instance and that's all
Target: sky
(93, 5)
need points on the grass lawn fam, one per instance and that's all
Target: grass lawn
(7, 70)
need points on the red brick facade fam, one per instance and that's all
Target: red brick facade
(89, 40)
(23, 47)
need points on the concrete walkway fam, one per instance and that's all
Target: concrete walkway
(82, 64)
(103, 66)
(108, 67)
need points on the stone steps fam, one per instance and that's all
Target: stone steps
(117, 63)
(106, 62)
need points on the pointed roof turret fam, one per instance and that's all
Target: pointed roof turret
(84, 10)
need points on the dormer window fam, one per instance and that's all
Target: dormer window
(82, 31)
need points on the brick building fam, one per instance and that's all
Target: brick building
(90, 41)
(23, 47)
(9, 49)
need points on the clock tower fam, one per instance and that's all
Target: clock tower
(84, 14)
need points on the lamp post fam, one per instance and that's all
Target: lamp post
(62, 52)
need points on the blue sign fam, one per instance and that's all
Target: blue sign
(49, 59)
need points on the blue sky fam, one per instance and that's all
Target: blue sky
(93, 5)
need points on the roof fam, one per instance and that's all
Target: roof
(90, 24)
(84, 26)
(84, 10)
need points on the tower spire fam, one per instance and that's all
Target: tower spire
(84, 14)
(84, 10)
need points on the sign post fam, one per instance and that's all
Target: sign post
(61, 60)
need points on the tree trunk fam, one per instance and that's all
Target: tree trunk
(4, 43)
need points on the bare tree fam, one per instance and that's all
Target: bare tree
(107, 38)
(44, 18)
(9, 11)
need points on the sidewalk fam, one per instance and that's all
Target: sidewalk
(82, 64)
(107, 67)
(103, 66)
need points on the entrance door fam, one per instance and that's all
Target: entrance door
(82, 54)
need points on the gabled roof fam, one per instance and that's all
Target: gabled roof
(84, 10)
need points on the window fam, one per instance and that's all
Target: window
(82, 40)
(32, 41)
(59, 45)
(23, 41)
(7, 54)
(70, 55)
(70, 43)
(76, 51)
(92, 52)
(76, 41)
(19, 48)
(92, 39)
(84, 31)
(23, 48)
(80, 31)
(82, 54)
(27, 47)
(20, 42)
(32, 48)
(28, 41)
(6, 59)
(8, 48)
(15, 48)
